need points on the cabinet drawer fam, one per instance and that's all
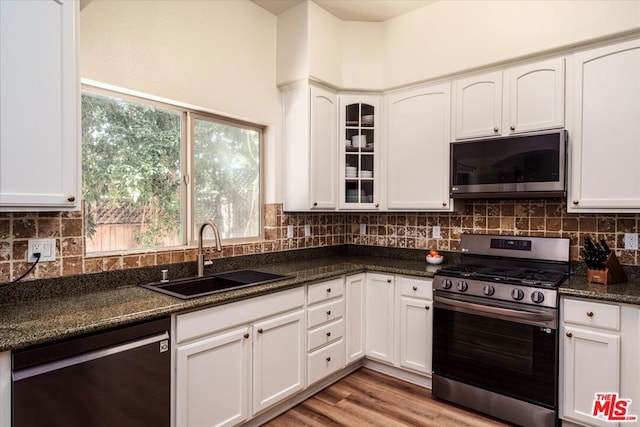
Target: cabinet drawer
(416, 288)
(594, 314)
(325, 313)
(323, 291)
(325, 334)
(325, 361)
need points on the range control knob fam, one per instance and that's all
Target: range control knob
(517, 294)
(488, 290)
(447, 284)
(462, 286)
(537, 297)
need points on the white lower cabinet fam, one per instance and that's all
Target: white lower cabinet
(212, 381)
(355, 317)
(415, 325)
(599, 347)
(325, 334)
(278, 359)
(235, 360)
(380, 317)
(399, 321)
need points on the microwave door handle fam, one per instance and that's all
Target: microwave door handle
(471, 308)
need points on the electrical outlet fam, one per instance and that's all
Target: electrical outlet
(45, 247)
(631, 241)
(289, 231)
(435, 232)
(307, 230)
(363, 228)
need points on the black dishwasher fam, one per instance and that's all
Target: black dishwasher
(119, 377)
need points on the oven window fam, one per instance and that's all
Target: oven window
(509, 358)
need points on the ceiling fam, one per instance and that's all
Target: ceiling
(347, 10)
(352, 10)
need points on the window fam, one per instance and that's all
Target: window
(138, 191)
(227, 177)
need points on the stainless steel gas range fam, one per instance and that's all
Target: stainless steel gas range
(495, 341)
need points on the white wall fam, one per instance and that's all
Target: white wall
(362, 55)
(219, 55)
(452, 36)
(293, 45)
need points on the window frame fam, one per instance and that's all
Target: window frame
(187, 151)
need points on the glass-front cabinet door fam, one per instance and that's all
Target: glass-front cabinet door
(359, 161)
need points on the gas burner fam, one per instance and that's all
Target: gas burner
(491, 267)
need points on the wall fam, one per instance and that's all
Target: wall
(218, 55)
(448, 37)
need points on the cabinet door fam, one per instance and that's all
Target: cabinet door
(379, 305)
(324, 159)
(39, 107)
(591, 365)
(360, 142)
(417, 149)
(535, 99)
(355, 321)
(604, 141)
(477, 106)
(416, 330)
(278, 359)
(212, 380)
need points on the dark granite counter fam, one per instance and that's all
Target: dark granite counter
(34, 313)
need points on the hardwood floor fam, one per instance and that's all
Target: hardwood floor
(369, 398)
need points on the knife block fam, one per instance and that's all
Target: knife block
(612, 273)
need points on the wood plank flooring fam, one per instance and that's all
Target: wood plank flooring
(369, 398)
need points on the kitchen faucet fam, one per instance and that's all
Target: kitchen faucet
(216, 234)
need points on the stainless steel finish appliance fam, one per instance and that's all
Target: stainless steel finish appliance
(120, 377)
(531, 165)
(495, 339)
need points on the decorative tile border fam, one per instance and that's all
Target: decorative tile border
(547, 218)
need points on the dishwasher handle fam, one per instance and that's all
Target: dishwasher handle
(162, 339)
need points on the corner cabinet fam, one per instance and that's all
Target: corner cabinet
(360, 147)
(520, 99)
(310, 150)
(605, 140)
(40, 106)
(417, 149)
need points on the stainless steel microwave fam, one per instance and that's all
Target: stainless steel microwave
(531, 165)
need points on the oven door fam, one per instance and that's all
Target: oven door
(497, 346)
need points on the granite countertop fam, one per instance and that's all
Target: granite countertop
(34, 321)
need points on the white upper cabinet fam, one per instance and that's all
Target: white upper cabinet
(310, 149)
(39, 107)
(477, 106)
(359, 160)
(417, 148)
(534, 97)
(520, 99)
(605, 137)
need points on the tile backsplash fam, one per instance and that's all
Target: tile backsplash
(546, 217)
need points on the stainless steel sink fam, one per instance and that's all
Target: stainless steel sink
(193, 287)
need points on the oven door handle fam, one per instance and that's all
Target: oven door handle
(471, 308)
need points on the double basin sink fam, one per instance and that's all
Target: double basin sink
(193, 287)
